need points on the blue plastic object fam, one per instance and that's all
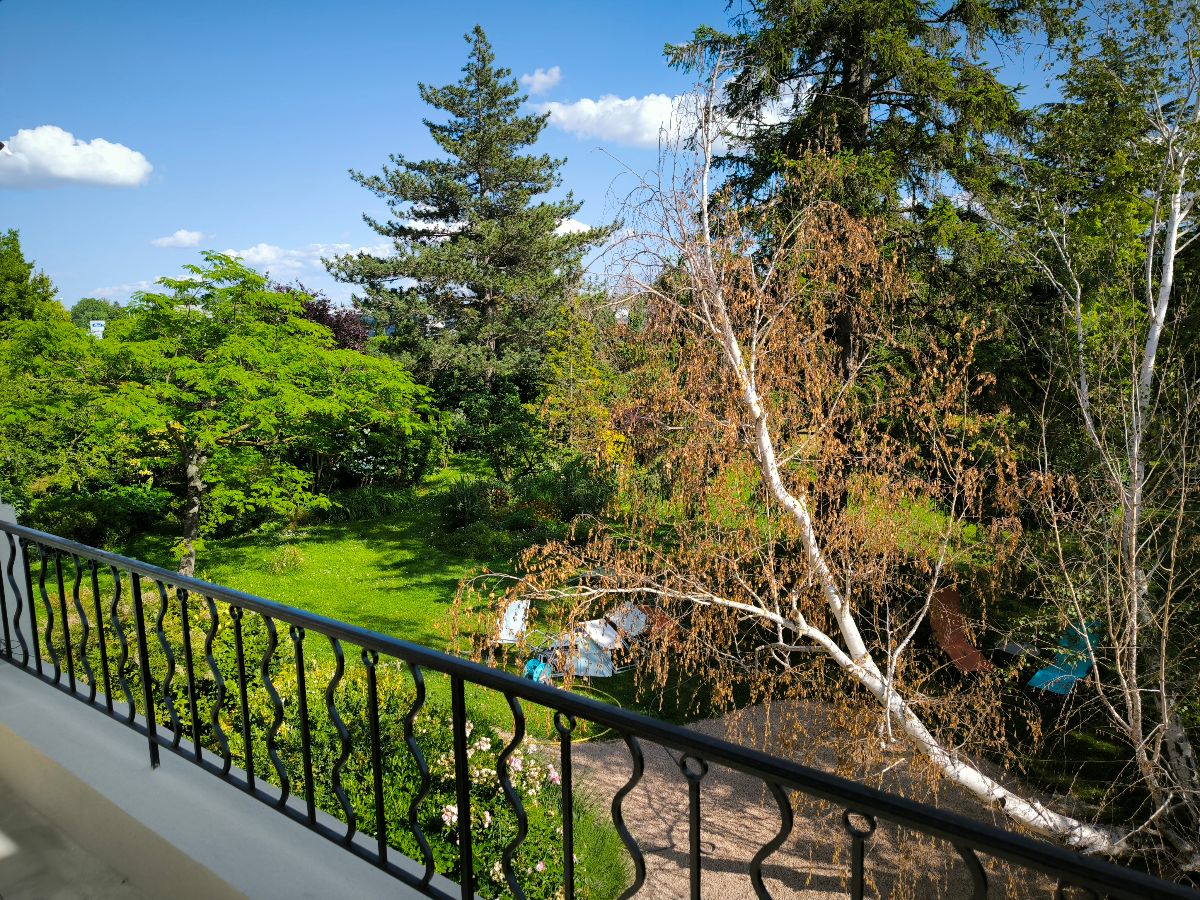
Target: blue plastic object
(537, 670)
(1071, 664)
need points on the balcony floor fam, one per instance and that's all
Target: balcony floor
(38, 862)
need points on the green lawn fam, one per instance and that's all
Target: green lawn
(388, 574)
(392, 575)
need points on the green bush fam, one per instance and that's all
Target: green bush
(573, 486)
(364, 504)
(469, 500)
(100, 516)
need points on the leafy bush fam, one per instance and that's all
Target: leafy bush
(100, 516)
(470, 500)
(364, 504)
(480, 540)
(602, 865)
(573, 486)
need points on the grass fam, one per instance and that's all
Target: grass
(387, 574)
(394, 575)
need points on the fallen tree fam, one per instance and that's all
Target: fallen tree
(764, 574)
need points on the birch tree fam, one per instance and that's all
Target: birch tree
(747, 565)
(1101, 201)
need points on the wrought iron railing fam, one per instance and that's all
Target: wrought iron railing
(52, 632)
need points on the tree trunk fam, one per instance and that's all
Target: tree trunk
(196, 460)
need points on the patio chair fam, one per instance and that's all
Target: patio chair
(513, 623)
(597, 648)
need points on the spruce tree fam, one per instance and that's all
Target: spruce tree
(480, 265)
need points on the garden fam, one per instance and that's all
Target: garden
(878, 434)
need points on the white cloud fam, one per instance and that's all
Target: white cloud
(541, 80)
(281, 261)
(48, 156)
(181, 238)
(571, 226)
(122, 290)
(647, 121)
(635, 121)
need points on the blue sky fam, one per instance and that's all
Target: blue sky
(231, 126)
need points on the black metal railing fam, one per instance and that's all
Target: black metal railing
(67, 640)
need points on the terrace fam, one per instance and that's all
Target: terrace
(111, 664)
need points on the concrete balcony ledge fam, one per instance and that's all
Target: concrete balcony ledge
(174, 831)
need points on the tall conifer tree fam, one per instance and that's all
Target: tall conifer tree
(481, 262)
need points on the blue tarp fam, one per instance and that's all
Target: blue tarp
(1071, 663)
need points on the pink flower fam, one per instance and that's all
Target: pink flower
(450, 815)
(541, 866)
(487, 818)
(554, 776)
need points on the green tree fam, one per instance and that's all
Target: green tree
(213, 381)
(898, 86)
(1100, 196)
(481, 263)
(91, 309)
(45, 369)
(24, 293)
(48, 371)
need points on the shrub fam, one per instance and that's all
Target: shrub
(364, 504)
(480, 540)
(602, 864)
(469, 500)
(99, 516)
(573, 486)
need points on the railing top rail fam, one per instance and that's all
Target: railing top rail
(1080, 870)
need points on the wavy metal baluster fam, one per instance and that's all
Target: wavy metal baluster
(139, 622)
(215, 715)
(785, 828)
(7, 651)
(277, 707)
(235, 613)
(370, 659)
(343, 737)
(33, 625)
(48, 634)
(462, 787)
(18, 601)
(978, 875)
(514, 799)
(114, 618)
(101, 640)
(618, 817)
(168, 694)
(68, 647)
(190, 669)
(693, 777)
(564, 724)
(414, 805)
(84, 630)
(858, 840)
(297, 635)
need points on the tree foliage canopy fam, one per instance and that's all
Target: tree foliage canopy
(482, 262)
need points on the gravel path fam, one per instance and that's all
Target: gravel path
(738, 816)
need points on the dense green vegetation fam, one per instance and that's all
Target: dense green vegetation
(917, 336)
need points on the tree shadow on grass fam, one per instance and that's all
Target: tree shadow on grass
(407, 581)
